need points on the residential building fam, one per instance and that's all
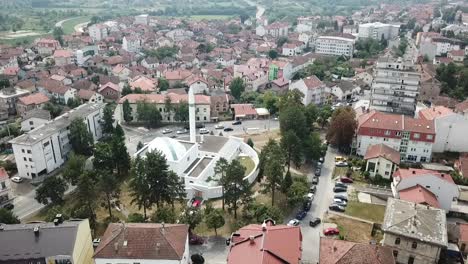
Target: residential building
(343, 90)
(378, 31)
(9, 98)
(34, 118)
(307, 24)
(417, 233)
(55, 89)
(44, 243)
(335, 251)
(440, 185)
(413, 138)
(63, 57)
(132, 43)
(30, 102)
(456, 55)
(395, 86)
(143, 243)
(202, 102)
(312, 88)
(293, 48)
(434, 46)
(98, 32)
(110, 91)
(142, 19)
(4, 186)
(145, 84)
(89, 96)
(265, 243)
(429, 85)
(47, 46)
(381, 159)
(450, 128)
(337, 46)
(275, 29)
(150, 63)
(45, 148)
(198, 84)
(244, 111)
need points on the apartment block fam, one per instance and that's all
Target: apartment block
(378, 30)
(337, 46)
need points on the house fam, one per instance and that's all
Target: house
(456, 55)
(147, 85)
(142, 19)
(430, 87)
(337, 46)
(463, 238)
(63, 57)
(198, 84)
(41, 243)
(265, 243)
(98, 32)
(312, 88)
(45, 148)
(417, 233)
(9, 98)
(293, 48)
(89, 96)
(412, 137)
(244, 111)
(110, 91)
(34, 118)
(27, 84)
(30, 102)
(150, 63)
(335, 251)
(275, 29)
(143, 243)
(176, 76)
(381, 159)
(280, 85)
(121, 71)
(132, 43)
(343, 90)
(64, 80)
(55, 89)
(440, 184)
(47, 46)
(4, 186)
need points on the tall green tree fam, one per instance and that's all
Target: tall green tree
(297, 191)
(139, 188)
(164, 215)
(7, 217)
(191, 217)
(148, 114)
(181, 113)
(312, 147)
(270, 102)
(87, 195)
(237, 87)
(110, 187)
(108, 120)
(80, 138)
(220, 176)
(273, 167)
(237, 192)
(293, 148)
(120, 155)
(127, 111)
(342, 127)
(52, 190)
(74, 167)
(163, 84)
(214, 219)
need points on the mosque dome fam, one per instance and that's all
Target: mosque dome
(171, 148)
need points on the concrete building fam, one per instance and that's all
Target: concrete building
(142, 19)
(381, 159)
(44, 243)
(378, 31)
(395, 87)
(337, 46)
(275, 29)
(431, 46)
(413, 138)
(9, 98)
(98, 32)
(417, 233)
(312, 88)
(144, 243)
(131, 43)
(4, 186)
(34, 118)
(45, 148)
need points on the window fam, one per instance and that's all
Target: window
(30, 159)
(416, 135)
(387, 132)
(411, 260)
(397, 241)
(398, 133)
(423, 159)
(46, 144)
(414, 245)
(31, 122)
(429, 137)
(29, 151)
(22, 150)
(24, 158)
(395, 253)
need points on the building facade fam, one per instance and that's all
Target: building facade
(312, 88)
(337, 46)
(378, 31)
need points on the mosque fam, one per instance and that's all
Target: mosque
(194, 158)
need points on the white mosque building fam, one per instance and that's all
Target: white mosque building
(195, 158)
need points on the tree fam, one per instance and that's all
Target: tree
(103, 157)
(139, 146)
(54, 109)
(297, 191)
(58, 34)
(270, 102)
(108, 120)
(109, 186)
(237, 87)
(127, 111)
(287, 182)
(181, 112)
(325, 112)
(120, 155)
(80, 138)
(342, 127)
(126, 89)
(312, 147)
(292, 115)
(7, 217)
(86, 196)
(163, 84)
(215, 219)
(250, 142)
(243, 18)
(51, 190)
(273, 54)
(164, 215)
(74, 167)
(292, 145)
(311, 115)
(273, 167)
(191, 217)
(139, 188)
(259, 212)
(4, 83)
(73, 102)
(148, 114)
(220, 170)
(136, 218)
(237, 190)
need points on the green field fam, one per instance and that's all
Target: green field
(371, 212)
(68, 26)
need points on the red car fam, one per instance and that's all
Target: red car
(331, 231)
(346, 180)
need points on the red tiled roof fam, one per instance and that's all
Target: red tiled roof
(334, 251)
(312, 82)
(420, 195)
(192, 79)
(274, 245)
(177, 75)
(63, 53)
(435, 112)
(408, 173)
(459, 53)
(11, 70)
(382, 150)
(463, 231)
(144, 83)
(462, 107)
(143, 241)
(33, 99)
(379, 120)
(86, 94)
(3, 174)
(111, 85)
(161, 98)
(244, 109)
(281, 81)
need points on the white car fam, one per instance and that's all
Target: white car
(310, 196)
(294, 222)
(16, 179)
(179, 132)
(341, 164)
(219, 127)
(166, 131)
(339, 202)
(204, 131)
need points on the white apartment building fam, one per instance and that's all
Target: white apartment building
(98, 32)
(45, 148)
(413, 138)
(395, 86)
(131, 43)
(437, 46)
(378, 30)
(312, 88)
(337, 46)
(142, 19)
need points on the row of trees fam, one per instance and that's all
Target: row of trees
(454, 80)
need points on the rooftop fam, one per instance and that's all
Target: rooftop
(415, 221)
(161, 98)
(420, 195)
(379, 120)
(382, 150)
(34, 99)
(435, 112)
(409, 173)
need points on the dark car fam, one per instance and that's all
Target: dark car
(346, 180)
(341, 197)
(197, 125)
(315, 180)
(237, 122)
(8, 206)
(307, 206)
(314, 222)
(339, 189)
(336, 207)
(301, 215)
(196, 240)
(342, 185)
(313, 189)
(318, 171)
(228, 129)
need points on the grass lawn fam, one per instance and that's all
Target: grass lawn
(248, 164)
(371, 212)
(351, 229)
(68, 26)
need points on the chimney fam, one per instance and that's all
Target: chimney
(252, 240)
(163, 228)
(264, 225)
(158, 247)
(36, 230)
(116, 247)
(414, 172)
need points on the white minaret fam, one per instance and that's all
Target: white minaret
(191, 102)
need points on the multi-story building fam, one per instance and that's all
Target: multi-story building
(413, 138)
(337, 46)
(312, 88)
(417, 233)
(142, 19)
(131, 43)
(4, 186)
(98, 32)
(276, 29)
(395, 86)
(9, 98)
(431, 46)
(44, 243)
(378, 31)
(47, 46)
(45, 148)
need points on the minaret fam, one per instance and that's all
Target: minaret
(191, 102)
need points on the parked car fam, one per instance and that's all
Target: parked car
(179, 132)
(96, 242)
(318, 165)
(199, 125)
(301, 215)
(219, 127)
(237, 122)
(16, 179)
(228, 129)
(341, 164)
(166, 131)
(341, 197)
(8, 206)
(310, 196)
(196, 240)
(336, 208)
(321, 159)
(204, 131)
(315, 180)
(314, 222)
(331, 231)
(306, 206)
(313, 189)
(318, 171)
(346, 180)
(339, 189)
(293, 222)
(340, 202)
(340, 184)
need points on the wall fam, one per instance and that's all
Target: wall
(451, 134)
(83, 249)
(363, 142)
(424, 253)
(31, 123)
(383, 167)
